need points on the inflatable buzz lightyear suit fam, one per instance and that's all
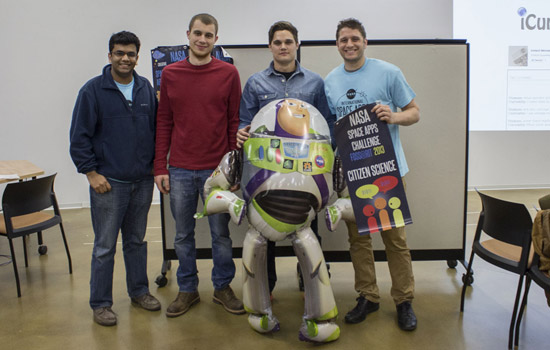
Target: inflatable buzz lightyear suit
(286, 179)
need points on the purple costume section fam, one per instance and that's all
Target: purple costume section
(323, 188)
(256, 181)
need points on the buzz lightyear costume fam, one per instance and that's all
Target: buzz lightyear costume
(286, 179)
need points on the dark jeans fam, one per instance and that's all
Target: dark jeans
(123, 209)
(185, 188)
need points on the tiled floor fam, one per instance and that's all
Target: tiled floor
(53, 312)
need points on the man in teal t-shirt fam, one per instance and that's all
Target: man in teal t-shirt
(357, 82)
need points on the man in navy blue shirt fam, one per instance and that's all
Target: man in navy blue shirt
(284, 78)
(113, 143)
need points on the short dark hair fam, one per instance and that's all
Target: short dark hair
(353, 24)
(124, 38)
(206, 19)
(283, 25)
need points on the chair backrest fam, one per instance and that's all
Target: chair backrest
(506, 221)
(27, 197)
(544, 202)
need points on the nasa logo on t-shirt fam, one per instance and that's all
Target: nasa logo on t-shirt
(351, 94)
(320, 162)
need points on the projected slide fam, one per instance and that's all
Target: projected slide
(509, 61)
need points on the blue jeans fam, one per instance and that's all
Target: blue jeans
(123, 209)
(185, 187)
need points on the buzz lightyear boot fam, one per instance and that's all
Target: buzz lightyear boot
(318, 332)
(320, 312)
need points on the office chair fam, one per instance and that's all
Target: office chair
(509, 226)
(534, 274)
(23, 204)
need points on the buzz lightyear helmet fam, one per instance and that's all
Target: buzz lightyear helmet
(291, 118)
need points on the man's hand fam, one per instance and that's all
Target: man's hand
(384, 113)
(409, 114)
(163, 183)
(98, 182)
(242, 136)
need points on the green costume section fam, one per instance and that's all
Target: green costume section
(271, 221)
(285, 156)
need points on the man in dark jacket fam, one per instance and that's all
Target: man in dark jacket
(113, 142)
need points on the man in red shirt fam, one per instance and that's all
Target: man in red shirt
(197, 122)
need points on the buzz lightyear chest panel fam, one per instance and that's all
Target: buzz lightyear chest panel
(289, 155)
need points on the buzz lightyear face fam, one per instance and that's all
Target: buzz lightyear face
(293, 117)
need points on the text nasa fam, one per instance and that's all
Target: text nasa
(362, 117)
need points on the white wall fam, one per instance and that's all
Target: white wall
(509, 159)
(51, 48)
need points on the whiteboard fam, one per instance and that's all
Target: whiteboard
(436, 148)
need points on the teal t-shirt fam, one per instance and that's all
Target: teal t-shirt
(376, 82)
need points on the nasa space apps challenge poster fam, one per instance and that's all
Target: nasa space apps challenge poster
(371, 172)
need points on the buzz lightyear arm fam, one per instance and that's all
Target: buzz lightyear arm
(338, 180)
(227, 174)
(341, 209)
(217, 197)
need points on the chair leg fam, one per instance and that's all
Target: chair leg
(42, 249)
(24, 237)
(14, 263)
(522, 310)
(466, 279)
(66, 248)
(515, 312)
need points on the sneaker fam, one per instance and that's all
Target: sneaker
(182, 304)
(147, 302)
(226, 298)
(104, 316)
(361, 310)
(406, 319)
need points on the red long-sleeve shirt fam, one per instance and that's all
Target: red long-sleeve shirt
(198, 115)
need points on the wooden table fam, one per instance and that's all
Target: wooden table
(23, 168)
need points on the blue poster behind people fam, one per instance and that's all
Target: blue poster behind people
(371, 172)
(162, 56)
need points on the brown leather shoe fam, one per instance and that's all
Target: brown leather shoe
(104, 316)
(182, 304)
(147, 302)
(226, 298)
